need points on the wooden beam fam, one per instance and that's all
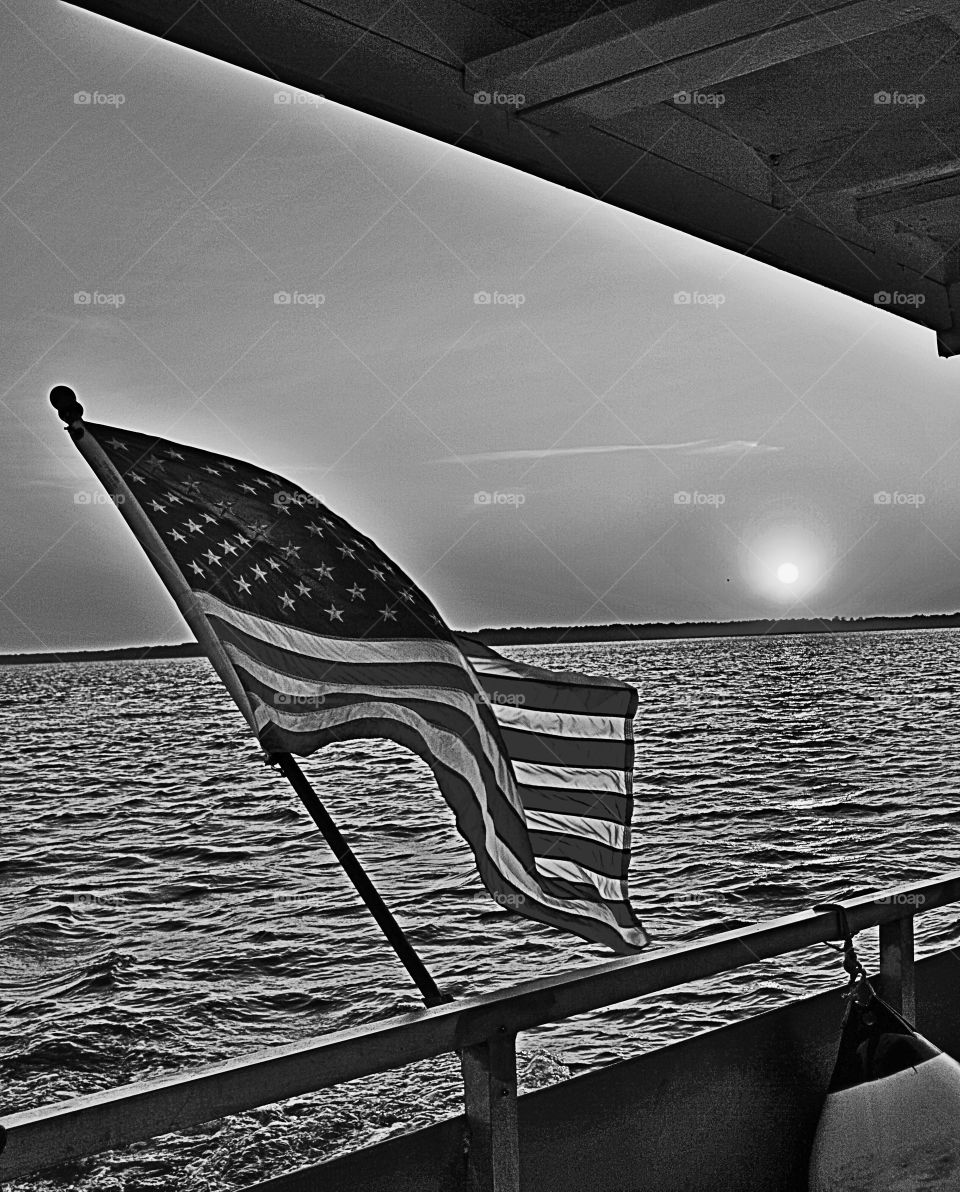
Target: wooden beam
(897, 981)
(53, 1134)
(490, 1097)
(887, 202)
(641, 54)
(898, 151)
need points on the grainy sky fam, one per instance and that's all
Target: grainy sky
(525, 459)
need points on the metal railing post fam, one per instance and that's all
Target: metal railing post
(897, 984)
(490, 1094)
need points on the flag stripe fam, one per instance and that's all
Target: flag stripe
(573, 753)
(591, 855)
(598, 804)
(331, 649)
(530, 774)
(334, 673)
(586, 826)
(509, 688)
(558, 724)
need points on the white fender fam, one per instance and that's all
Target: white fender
(891, 1120)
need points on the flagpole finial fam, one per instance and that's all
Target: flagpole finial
(64, 401)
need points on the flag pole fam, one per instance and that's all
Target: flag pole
(351, 866)
(64, 401)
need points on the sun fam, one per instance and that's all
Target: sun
(788, 573)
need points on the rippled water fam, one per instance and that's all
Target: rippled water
(164, 902)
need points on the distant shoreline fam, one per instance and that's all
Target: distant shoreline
(560, 634)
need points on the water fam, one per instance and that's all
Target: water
(164, 902)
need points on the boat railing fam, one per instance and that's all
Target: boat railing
(483, 1030)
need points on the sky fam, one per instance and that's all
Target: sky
(583, 447)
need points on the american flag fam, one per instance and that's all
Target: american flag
(321, 638)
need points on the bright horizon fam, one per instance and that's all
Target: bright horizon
(635, 427)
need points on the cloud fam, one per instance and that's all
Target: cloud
(694, 447)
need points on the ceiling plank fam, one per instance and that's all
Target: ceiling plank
(642, 54)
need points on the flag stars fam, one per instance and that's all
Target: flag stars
(196, 568)
(172, 498)
(137, 478)
(377, 573)
(273, 564)
(176, 535)
(158, 507)
(388, 613)
(315, 529)
(248, 488)
(244, 541)
(356, 592)
(153, 461)
(208, 518)
(116, 444)
(290, 551)
(286, 601)
(173, 454)
(347, 551)
(193, 527)
(212, 471)
(302, 588)
(334, 613)
(259, 572)
(407, 595)
(324, 571)
(211, 557)
(242, 584)
(192, 487)
(227, 547)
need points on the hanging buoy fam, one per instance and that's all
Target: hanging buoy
(891, 1121)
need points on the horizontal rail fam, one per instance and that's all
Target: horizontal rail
(58, 1133)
